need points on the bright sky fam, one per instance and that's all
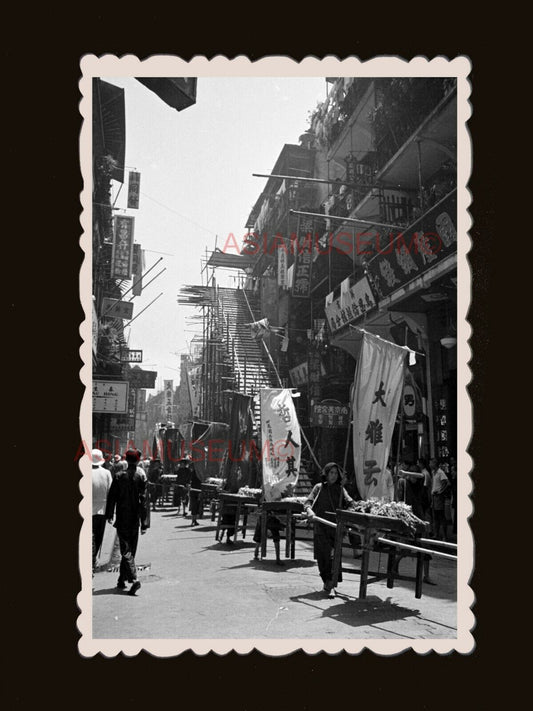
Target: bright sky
(196, 170)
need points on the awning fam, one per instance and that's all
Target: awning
(177, 92)
(230, 261)
(109, 125)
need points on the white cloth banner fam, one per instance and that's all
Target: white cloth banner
(377, 393)
(259, 328)
(280, 443)
(345, 292)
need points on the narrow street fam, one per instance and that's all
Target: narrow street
(196, 588)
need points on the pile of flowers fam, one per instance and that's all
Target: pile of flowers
(391, 509)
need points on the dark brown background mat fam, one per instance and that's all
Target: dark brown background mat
(41, 577)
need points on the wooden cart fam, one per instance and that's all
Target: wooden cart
(280, 508)
(236, 507)
(371, 528)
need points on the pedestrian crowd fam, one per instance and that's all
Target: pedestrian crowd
(126, 488)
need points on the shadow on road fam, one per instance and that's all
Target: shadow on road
(198, 529)
(225, 549)
(270, 564)
(358, 613)
(109, 591)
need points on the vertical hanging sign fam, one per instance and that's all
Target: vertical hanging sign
(122, 256)
(138, 266)
(134, 184)
(281, 440)
(303, 260)
(377, 393)
(283, 280)
(169, 400)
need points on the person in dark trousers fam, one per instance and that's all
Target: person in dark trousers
(325, 498)
(439, 489)
(195, 495)
(155, 470)
(274, 525)
(127, 501)
(183, 480)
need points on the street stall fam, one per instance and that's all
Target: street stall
(288, 510)
(210, 495)
(393, 529)
(233, 512)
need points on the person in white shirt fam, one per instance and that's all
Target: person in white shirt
(101, 484)
(440, 484)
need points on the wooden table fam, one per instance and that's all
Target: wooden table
(370, 528)
(210, 494)
(280, 508)
(236, 506)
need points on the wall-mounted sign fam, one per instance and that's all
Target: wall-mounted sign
(409, 401)
(134, 185)
(142, 378)
(110, 396)
(127, 355)
(282, 268)
(427, 242)
(114, 308)
(122, 255)
(352, 305)
(330, 414)
(303, 260)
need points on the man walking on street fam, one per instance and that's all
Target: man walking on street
(101, 484)
(128, 502)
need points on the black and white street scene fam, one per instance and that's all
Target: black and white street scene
(278, 429)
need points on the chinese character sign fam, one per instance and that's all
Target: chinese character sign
(283, 281)
(303, 266)
(354, 303)
(169, 399)
(377, 393)
(281, 443)
(122, 257)
(134, 184)
(110, 396)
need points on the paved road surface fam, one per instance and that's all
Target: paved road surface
(197, 588)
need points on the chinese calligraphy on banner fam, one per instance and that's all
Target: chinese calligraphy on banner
(281, 443)
(376, 398)
(122, 257)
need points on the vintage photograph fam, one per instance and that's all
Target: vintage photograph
(275, 421)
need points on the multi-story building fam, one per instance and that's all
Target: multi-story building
(372, 187)
(118, 387)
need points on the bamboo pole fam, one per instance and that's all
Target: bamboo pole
(407, 546)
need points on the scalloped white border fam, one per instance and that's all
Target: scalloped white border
(166, 65)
